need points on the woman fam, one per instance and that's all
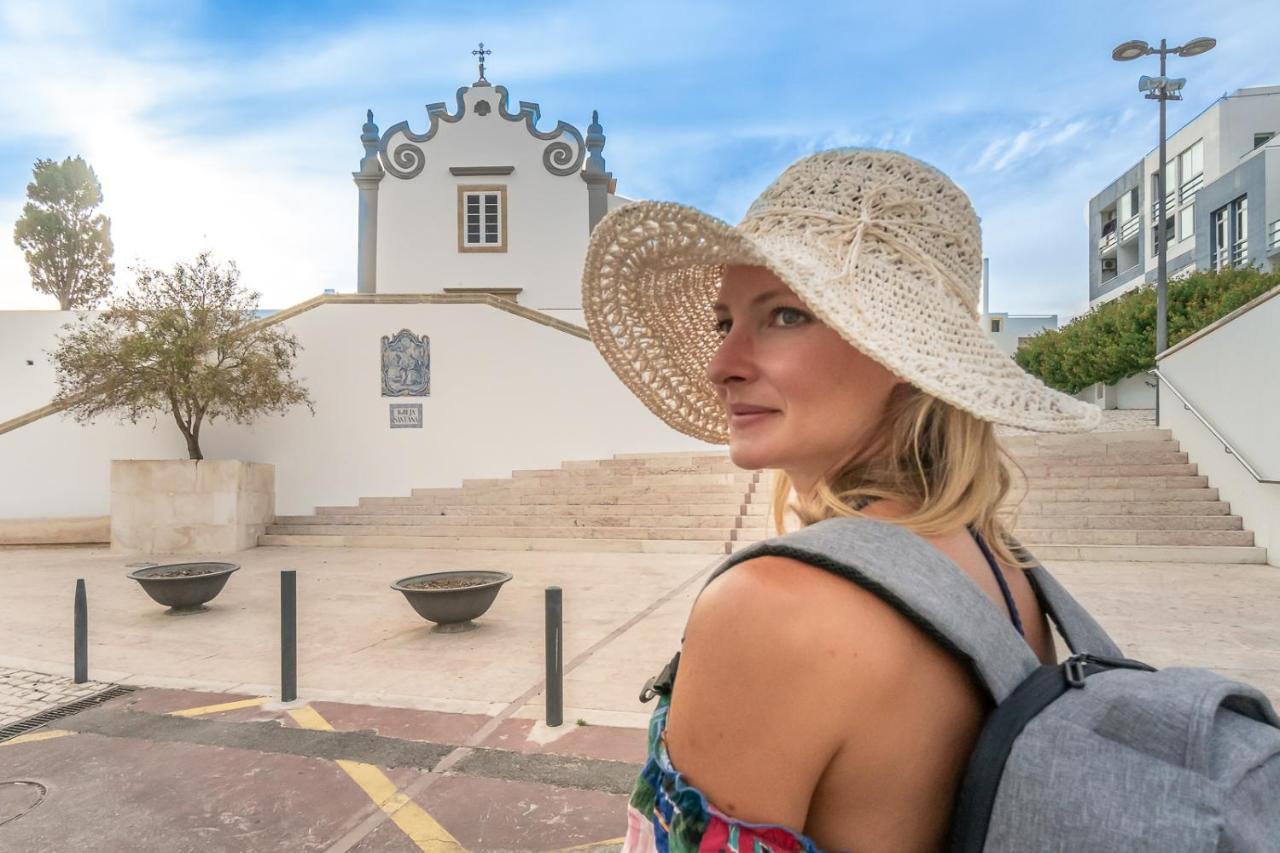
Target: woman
(832, 336)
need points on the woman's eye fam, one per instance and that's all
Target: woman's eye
(796, 312)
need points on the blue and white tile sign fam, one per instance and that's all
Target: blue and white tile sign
(406, 365)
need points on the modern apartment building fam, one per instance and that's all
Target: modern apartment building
(1222, 199)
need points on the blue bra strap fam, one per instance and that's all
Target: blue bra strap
(1004, 586)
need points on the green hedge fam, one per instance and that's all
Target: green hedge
(1118, 338)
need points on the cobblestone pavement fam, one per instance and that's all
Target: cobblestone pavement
(1113, 420)
(24, 693)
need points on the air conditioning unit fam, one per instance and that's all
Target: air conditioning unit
(1108, 264)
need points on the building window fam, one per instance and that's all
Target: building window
(482, 218)
(1230, 234)
(1024, 340)
(1260, 139)
(1190, 171)
(1186, 221)
(995, 324)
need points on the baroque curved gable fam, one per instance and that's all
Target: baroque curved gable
(401, 154)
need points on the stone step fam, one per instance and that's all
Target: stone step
(488, 543)
(1183, 481)
(533, 479)
(461, 531)
(1101, 508)
(1176, 469)
(718, 522)
(1113, 495)
(652, 497)
(1092, 439)
(1155, 457)
(1113, 452)
(1153, 553)
(1069, 536)
(550, 510)
(696, 465)
(674, 454)
(1129, 522)
(618, 484)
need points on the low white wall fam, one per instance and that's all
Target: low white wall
(1228, 372)
(1132, 392)
(506, 393)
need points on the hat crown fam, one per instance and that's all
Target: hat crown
(846, 205)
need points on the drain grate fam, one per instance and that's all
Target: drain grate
(35, 721)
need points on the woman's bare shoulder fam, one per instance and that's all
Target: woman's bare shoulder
(774, 652)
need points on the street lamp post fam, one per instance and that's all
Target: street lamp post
(1161, 89)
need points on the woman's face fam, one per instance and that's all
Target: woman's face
(823, 396)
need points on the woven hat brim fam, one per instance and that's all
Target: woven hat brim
(653, 271)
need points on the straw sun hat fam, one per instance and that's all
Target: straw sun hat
(883, 248)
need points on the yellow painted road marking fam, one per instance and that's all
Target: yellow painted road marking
(422, 829)
(36, 736)
(214, 709)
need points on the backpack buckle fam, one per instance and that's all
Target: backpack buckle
(662, 682)
(1073, 670)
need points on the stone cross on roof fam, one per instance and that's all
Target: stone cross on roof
(482, 53)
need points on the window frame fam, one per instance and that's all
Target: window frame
(481, 190)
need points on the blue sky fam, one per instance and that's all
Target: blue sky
(234, 125)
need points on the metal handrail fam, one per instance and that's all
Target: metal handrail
(1226, 445)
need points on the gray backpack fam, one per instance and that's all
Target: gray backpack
(1098, 753)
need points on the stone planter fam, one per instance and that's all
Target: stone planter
(452, 607)
(189, 506)
(189, 591)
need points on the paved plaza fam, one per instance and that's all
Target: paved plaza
(407, 739)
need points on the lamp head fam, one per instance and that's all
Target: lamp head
(1132, 50)
(1197, 46)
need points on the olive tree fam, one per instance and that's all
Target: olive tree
(185, 341)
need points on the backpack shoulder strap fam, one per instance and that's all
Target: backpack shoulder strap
(1081, 631)
(917, 580)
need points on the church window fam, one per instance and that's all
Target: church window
(482, 218)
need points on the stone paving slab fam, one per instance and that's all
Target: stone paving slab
(24, 693)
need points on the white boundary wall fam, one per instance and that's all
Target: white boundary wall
(506, 393)
(1229, 373)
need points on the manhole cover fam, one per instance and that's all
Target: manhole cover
(17, 797)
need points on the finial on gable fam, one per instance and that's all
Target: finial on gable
(595, 144)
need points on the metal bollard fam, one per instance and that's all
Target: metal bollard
(81, 634)
(288, 635)
(555, 656)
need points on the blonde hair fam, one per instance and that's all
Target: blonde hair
(944, 464)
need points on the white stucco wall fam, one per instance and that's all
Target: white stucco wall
(1014, 326)
(27, 335)
(547, 215)
(1227, 374)
(506, 393)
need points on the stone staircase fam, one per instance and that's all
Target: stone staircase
(1128, 495)
(1124, 496)
(688, 503)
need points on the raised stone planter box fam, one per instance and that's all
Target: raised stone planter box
(189, 506)
(452, 599)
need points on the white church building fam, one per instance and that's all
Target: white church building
(459, 354)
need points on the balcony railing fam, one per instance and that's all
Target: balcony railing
(1131, 227)
(1192, 186)
(1273, 237)
(1107, 241)
(1239, 252)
